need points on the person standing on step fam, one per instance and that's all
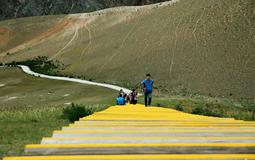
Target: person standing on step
(147, 86)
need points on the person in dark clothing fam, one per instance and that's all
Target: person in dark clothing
(147, 86)
(122, 93)
(133, 97)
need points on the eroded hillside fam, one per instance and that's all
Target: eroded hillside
(197, 46)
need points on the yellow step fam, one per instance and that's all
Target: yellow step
(125, 119)
(151, 138)
(141, 157)
(160, 125)
(155, 131)
(139, 112)
(141, 145)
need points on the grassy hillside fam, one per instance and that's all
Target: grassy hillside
(31, 107)
(19, 90)
(17, 31)
(193, 46)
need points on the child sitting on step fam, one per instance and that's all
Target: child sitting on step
(120, 100)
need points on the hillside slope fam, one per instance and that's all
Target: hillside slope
(197, 46)
(25, 8)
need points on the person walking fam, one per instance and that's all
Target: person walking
(147, 86)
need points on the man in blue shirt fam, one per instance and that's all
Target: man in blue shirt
(147, 85)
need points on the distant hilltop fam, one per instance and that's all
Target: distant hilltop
(27, 8)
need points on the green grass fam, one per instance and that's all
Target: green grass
(40, 107)
(209, 106)
(21, 90)
(21, 128)
(28, 126)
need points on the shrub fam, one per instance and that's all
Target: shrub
(159, 105)
(75, 112)
(12, 63)
(41, 64)
(206, 111)
(199, 110)
(179, 107)
(251, 108)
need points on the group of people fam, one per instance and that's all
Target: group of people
(124, 98)
(147, 87)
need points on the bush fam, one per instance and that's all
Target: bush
(75, 112)
(207, 111)
(159, 105)
(12, 63)
(251, 108)
(199, 110)
(179, 107)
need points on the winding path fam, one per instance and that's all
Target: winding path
(27, 70)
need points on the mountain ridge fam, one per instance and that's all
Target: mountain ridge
(27, 8)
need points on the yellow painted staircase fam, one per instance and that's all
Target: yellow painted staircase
(135, 132)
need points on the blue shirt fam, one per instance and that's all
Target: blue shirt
(120, 101)
(148, 85)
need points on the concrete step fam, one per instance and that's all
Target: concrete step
(167, 123)
(168, 117)
(155, 132)
(159, 129)
(141, 148)
(184, 134)
(132, 141)
(152, 138)
(149, 117)
(171, 130)
(142, 157)
(156, 126)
